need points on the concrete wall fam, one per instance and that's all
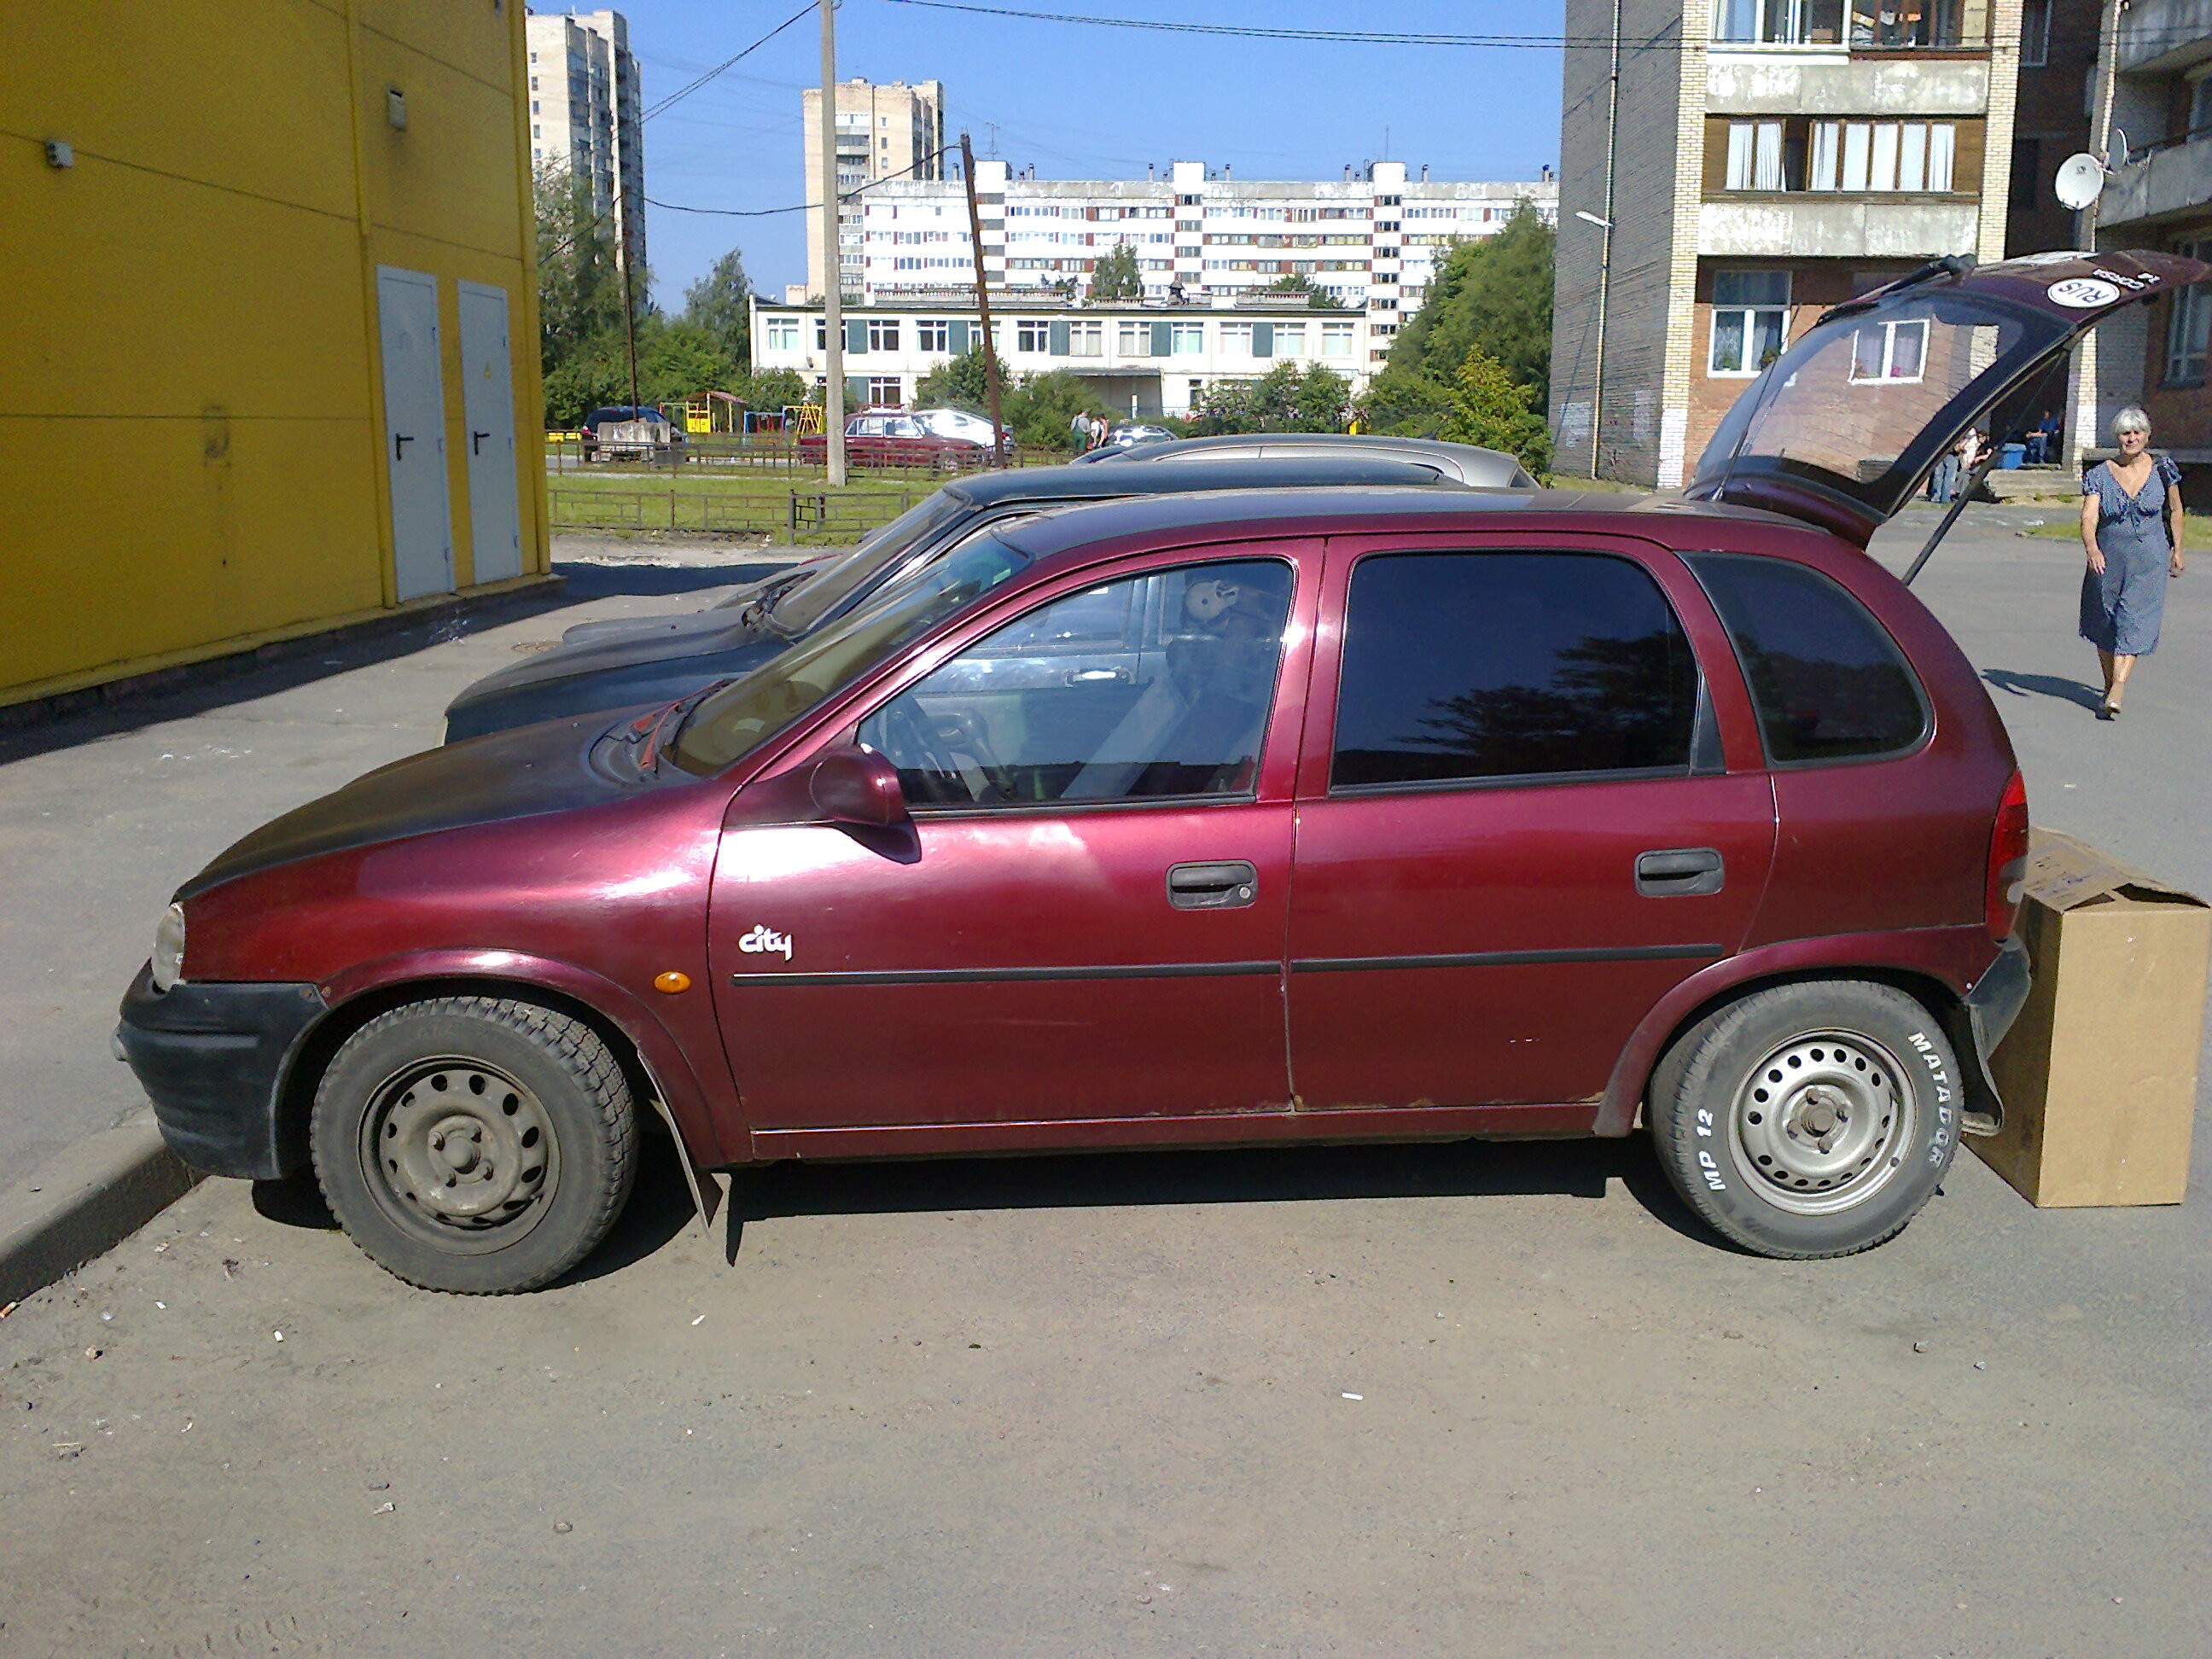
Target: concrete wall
(1841, 228)
(191, 430)
(1744, 84)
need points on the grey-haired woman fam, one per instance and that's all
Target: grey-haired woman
(2127, 505)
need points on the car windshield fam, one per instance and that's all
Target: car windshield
(736, 719)
(799, 608)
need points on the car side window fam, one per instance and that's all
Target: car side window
(1465, 666)
(1073, 704)
(1827, 680)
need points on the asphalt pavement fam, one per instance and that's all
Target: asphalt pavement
(1455, 1398)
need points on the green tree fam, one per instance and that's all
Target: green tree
(963, 383)
(1323, 400)
(580, 288)
(1493, 294)
(1403, 403)
(1284, 399)
(769, 390)
(1489, 407)
(1115, 277)
(1317, 298)
(1038, 411)
(719, 302)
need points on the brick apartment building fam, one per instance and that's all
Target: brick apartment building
(1769, 158)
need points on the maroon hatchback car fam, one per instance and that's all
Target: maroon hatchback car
(1226, 818)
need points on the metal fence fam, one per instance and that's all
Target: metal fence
(755, 451)
(794, 514)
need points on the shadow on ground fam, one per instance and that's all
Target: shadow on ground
(660, 1205)
(2044, 686)
(1466, 1168)
(201, 687)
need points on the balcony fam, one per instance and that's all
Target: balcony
(1868, 25)
(2164, 37)
(2165, 183)
(1837, 228)
(1755, 85)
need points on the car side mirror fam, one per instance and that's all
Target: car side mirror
(852, 784)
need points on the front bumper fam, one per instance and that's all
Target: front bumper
(213, 1058)
(1990, 1008)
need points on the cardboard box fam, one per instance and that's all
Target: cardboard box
(2098, 1072)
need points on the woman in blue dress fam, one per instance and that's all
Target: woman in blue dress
(2127, 504)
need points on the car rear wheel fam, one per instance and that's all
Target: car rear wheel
(474, 1145)
(1811, 1119)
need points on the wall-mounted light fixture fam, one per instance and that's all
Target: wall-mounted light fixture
(395, 108)
(60, 155)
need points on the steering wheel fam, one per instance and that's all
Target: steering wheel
(995, 770)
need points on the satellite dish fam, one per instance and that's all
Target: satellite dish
(2116, 153)
(2081, 180)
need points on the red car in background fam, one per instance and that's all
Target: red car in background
(890, 438)
(1224, 819)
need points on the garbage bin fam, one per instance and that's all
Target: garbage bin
(2010, 456)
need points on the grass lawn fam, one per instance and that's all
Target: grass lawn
(737, 503)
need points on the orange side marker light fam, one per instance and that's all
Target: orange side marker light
(672, 981)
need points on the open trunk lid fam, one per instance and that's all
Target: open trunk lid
(1841, 428)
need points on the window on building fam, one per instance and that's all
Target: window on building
(1755, 155)
(821, 335)
(1463, 667)
(1940, 24)
(2200, 103)
(883, 334)
(1134, 340)
(1290, 339)
(2189, 326)
(931, 335)
(1086, 339)
(782, 333)
(1336, 337)
(1889, 351)
(1751, 320)
(1186, 339)
(1032, 334)
(2026, 188)
(886, 389)
(1779, 22)
(2035, 33)
(1236, 339)
(1883, 155)
(1827, 682)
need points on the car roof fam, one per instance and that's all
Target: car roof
(1141, 523)
(1470, 462)
(1143, 477)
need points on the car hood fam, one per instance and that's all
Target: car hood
(696, 636)
(517, 773)
(1840, 429)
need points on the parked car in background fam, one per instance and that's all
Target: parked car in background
(659, 659)
(1480, 468)
(957, 423)
(883, 439)
(1226, 817)
(1129, 435)
(627, 431)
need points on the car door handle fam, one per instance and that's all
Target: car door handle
(475, 443)
(1099, 676)
(399, 442)
(1680, 871)
(1224, 886)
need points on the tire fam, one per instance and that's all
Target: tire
(474, 1145)
(1809, 1121)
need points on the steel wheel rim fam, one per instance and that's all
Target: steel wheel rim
(459, 1153)
(1822, 1123)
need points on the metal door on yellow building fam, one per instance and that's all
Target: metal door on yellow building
(488, 406)
(414, 432)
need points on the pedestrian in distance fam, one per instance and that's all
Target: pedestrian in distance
(1097, 431)
(1078, 432)
(2131, 531)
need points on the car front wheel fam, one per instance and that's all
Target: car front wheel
(474, 1145)
(1810, 1120)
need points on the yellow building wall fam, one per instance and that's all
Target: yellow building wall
(191, 454)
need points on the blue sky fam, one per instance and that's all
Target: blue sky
(1080, 102)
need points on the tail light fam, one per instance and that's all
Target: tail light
(2007, 858)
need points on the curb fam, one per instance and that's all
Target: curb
(85, 1202)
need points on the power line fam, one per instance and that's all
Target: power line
(686, 90)
(1330, 37)
(803, 207)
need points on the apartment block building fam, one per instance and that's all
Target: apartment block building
(1142, 360)
(1771, 158)
(2057, 54)
(883, 132)
(585, 113)
(2155, 71)
(1370, 240)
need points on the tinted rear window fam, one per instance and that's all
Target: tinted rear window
(1827, 680)
(1467, 665)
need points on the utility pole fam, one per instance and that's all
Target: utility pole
(983, 301)
(1605, 254)
(833, 270)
